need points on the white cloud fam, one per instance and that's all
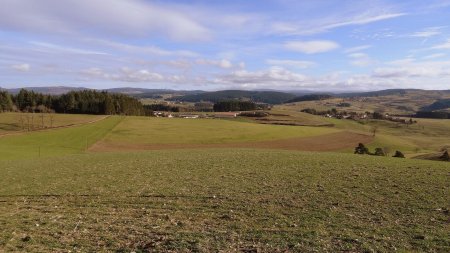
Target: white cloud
(272, 77)
(25, 67)
(401, 62)
(311, 47)
(152, 50)
(125, 74)
(360, 59)
(53, 47)
(408, 68)
(319, 26)
(434, 56)
(291, 63)
(445, 45)
(365, 19)
(118, 18)
(428, 32)
(142, 75)
(225, 64)
(357, 49)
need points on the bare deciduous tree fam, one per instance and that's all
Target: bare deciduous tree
(374, 130)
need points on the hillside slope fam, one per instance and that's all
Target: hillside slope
(205, 201)
(270, 97)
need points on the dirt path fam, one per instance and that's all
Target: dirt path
(327, 142)
(53, 128)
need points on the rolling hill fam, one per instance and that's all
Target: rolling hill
(51, 90)
(311, 97)
(269, 97)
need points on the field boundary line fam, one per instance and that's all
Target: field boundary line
(104, 136)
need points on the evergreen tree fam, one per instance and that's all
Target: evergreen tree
(398, 154)
(361, 149)
(6, 103)
(445, 156)
(379, 152)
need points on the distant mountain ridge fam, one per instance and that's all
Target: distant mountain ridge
(50, 90)
(139, 92)
(387, 92)
(269, 97)
(265, 96)
(310, 97)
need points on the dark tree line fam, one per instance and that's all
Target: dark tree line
(310, 97)
(438, 105)
(433, 115)
(361, 149)
(76, 102)
(162, 107)
(234, 105)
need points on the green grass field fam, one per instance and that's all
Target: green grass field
(57, 196)
(193, 131)
(55, 142)
(204, 200)
(12, 122)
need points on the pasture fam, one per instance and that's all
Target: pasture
(11, 122)
(204, 200)
(224, 185)
(158, 133)
(55, 142)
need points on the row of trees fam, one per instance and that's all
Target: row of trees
(361, 149)
(162, 107)
(433, 115)
(77, 102)
(234, 105)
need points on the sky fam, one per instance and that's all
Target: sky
(320, 45)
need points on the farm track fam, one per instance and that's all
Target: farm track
(326, 142)
(54, 128)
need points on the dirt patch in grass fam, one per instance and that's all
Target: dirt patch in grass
(327, 142)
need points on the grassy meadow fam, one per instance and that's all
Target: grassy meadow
(203, 201)
(176, 130)
(58, 195)
(12, 122)
(55, 142)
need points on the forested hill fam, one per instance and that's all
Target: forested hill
(378, 93)
(396, 92)
(269, 97)
(438, 105)
(310, 97)
(81, 102)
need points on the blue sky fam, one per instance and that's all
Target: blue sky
(212, 45)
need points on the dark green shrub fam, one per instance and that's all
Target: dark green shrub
(398, 154)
